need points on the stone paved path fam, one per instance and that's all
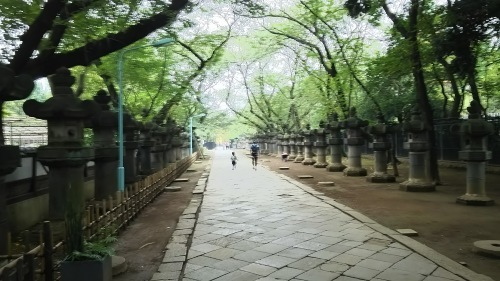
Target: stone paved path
(258, 225)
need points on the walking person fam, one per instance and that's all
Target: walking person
(233, 160)
(254, 151)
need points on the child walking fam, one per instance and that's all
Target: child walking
(233, 160)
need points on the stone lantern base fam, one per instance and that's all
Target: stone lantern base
(320, 165)
(380, 178)
(475, 200)
(308, 161)
(336, 167)
(417, 186)
(298, 159)
(355, 172)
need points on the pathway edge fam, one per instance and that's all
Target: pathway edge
(427, 252)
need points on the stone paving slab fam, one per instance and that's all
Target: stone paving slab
(258, 225)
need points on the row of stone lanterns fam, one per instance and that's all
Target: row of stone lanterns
(300, 145)
(66, 155)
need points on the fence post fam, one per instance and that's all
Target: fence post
(47, 251)
(20, 269)
(26, 240)
(29, 259)
(111, 216)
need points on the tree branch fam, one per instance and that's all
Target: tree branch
(43, 66)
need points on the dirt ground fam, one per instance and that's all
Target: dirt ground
(143, 242)
(442, 224)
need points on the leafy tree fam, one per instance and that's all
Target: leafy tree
(55, 33)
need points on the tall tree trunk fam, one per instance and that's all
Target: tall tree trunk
(2, 137)
(420, 87)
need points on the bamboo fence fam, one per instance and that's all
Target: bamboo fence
(102, 218)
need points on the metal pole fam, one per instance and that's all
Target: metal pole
(121, 169)
(190, 135)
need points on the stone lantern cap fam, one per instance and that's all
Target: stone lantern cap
(381, 128)
(129, 123)
(171, 130)
(334, 128)
(147, 133)
(307, 133)
(299, 138)
(475, 126)
(380, 133)
(185, 139)
(14, 87)
(353, 121)
(105, 118)
(272, 137)
(416, 123)
(160, 135)
(354, 128)
(292, 138)
(66, 115)
(286, 138)
(63, 105)
(474, 133)
(417, 132)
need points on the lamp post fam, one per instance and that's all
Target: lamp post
(191, 132)
(121, 169)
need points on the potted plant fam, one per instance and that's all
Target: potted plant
(85, 260)
(92, 263)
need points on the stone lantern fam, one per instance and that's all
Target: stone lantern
(177, 144)
(269, 143)
(293, 147)
(131, 145)
(172, 131)
(280, 145)
(276, 142)
(146, 144)
(320, 145)
(185, 145)
(261, 142)
(286, 144)
(381, 144)
(265, 143)
(355, 140)
(166, 140)
(336, 142)
(104, 126)
(474, 139)
(158, 150)
(308, 143)
(419, 177)
(65, 153)
(12, 87)
(299, 144)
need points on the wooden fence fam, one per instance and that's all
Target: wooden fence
(101, 218)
